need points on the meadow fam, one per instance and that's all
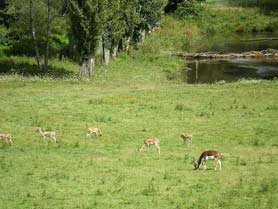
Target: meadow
(239, 119)
(138, 96)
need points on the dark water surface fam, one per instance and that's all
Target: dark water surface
(231, 70)
(234, 69)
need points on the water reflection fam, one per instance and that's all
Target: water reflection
(235, 69)
(230, 70)
(238, 43)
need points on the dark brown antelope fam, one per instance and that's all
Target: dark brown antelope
(7, 137)
(208, 155)
(187, 136)
(95, 131)
(148, 143)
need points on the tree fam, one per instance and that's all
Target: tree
(130, 17)
(114, 30)
(87, 18)
(172, 5)
(33, 32)
(48, 32)
(150, 15)
(39, 17)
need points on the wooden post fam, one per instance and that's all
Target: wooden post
(196, 71)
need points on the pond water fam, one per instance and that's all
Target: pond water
(234, 69)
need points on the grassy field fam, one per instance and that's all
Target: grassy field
(238, 119)
(137, 97)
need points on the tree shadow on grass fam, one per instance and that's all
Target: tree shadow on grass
(25, 68)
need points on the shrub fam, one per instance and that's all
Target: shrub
(189, 9)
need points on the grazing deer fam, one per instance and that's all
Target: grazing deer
(50, 134)
(7, 137)
(187, 136)
(148, 143)
(95, 131)
(208, 155)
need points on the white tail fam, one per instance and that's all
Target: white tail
(48, 134)
(187, 136)
(95, 131)
(150, 142)
(208, 155)
(7, 137)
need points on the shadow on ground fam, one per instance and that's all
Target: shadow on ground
(9, 66)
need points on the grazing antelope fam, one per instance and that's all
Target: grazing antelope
(95, 131)
(7, 137)
(208, 155)
(50, 134)
(148, 143)
(187, 136)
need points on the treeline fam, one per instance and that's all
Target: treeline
(76, 29)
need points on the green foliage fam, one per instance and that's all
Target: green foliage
(130, 15)
(189, 9)
(87, 19)
(150, 13)
(264, 4)
(114, 25)
(58, 46)
(19, 29)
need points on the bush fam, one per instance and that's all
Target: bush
(189, 9)
(58, 45)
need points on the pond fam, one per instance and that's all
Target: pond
(234, 69)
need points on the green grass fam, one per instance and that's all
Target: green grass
(138, 96)
(240, 20)
(238, 119)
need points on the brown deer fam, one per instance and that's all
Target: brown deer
(208, 155)
(187, 136)
(7, 137)
(149, 142)
(95, 131)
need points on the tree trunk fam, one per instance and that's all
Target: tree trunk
(127, 44)
(83, 69)
(121, 45)
(114, 52)
(47, 37)
(142, 36)
(33, 32)
(105, 55)
(91, 66)
(71, 49)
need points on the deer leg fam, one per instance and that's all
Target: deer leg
(216, 165)
(55, 140)
(11, 141)
(158, 148)
(205, 165)
(219, 163)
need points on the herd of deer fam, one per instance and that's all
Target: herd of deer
(186, 136)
